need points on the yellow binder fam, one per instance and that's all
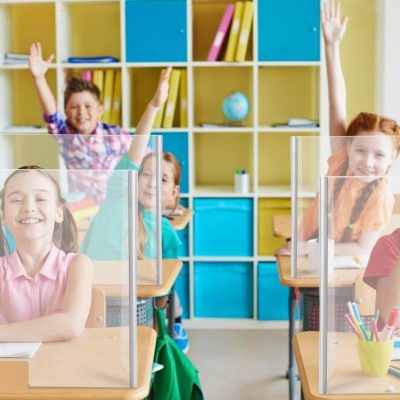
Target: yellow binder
(183, 116)
(115, 118)
(171, 100)
(160, 113)
(234, 33)
(98, 80)
(108, 95)
(244, 34)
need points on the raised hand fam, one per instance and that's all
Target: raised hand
(333, 26)
(161, 94)
(37, 65)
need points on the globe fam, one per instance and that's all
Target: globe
(236, 106)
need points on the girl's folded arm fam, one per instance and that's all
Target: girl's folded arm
(66, 324)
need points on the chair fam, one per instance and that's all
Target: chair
(97, 313)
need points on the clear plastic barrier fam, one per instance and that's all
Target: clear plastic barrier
(88, 167)
(356, 341)
(335, 156)
(47, 293)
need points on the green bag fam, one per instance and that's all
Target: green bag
(178, 380)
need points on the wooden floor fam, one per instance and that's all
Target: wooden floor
(246, 364)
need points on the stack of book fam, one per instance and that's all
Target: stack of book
(177, 95)
(235, 26)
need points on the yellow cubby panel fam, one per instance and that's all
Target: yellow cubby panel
(144, 83)
(32, 23)
(218, 155)
(267, 208)
(37, 149)
(207, 15)
(359, 56)
(288, 92)
(25, 102)
(212, 85)
(274, 159)
(100, 36)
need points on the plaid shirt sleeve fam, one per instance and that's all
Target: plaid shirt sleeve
(55, 123)
(117, 140)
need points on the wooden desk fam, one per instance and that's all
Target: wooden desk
(92, 359)
(344, 278)
(306, 347)
(282, 226)
(111, 277)
(179, 222)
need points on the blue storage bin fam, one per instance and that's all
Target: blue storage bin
(272, 296)
(289, 30)
(223, 289)
(223, 227)
(182, 289)
(177, 144)
(155, 30)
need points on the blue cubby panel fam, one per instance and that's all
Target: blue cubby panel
(223, 227)
(182, 289)
(155, 30)
(184, 235)
(289, 30)
(223, 289)
(177, 143)
(272, 296)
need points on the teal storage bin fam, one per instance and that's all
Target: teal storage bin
(155, 30)
(223, 227)
(223, 289)
(182, 289)
(272, 296)
(289, 30)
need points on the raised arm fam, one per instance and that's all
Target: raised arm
(38, 68)
(63, 325)
(334, 28)
(138, 146)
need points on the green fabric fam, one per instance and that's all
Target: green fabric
(179, 379)
(112, 218)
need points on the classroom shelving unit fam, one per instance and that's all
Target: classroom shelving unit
(230, 277)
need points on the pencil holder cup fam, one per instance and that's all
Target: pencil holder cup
(375, 357)
(242, 183)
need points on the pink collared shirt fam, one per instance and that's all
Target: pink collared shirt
(23, 297)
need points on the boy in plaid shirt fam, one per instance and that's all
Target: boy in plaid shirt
(85, 142)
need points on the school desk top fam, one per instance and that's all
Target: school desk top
(108, 277)
(99, 364)
(306, 347)
(179, 222)
(344, 277)
(282, 226)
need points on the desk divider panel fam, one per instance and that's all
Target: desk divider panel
(355, 346)
(94, 185)
(36, 211)
(336, 156)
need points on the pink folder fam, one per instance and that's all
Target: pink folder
(221, 33)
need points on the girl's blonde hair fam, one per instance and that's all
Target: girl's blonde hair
(65, 235)
(177, 172)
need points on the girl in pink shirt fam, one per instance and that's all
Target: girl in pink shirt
(45, 287)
